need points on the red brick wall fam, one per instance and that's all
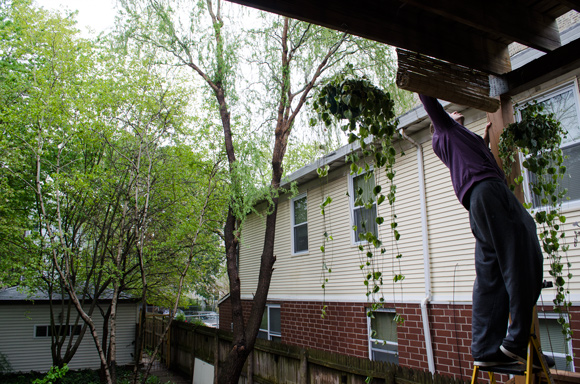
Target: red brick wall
(344, 330)
(450, 337)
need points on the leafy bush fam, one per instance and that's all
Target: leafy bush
(53, 376)
(4, 364)
(180, 316)
(85, 376)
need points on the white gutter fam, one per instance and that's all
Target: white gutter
(426, 263)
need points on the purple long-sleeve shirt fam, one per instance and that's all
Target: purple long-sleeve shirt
(465, 154)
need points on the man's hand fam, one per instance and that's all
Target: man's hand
(486, 134)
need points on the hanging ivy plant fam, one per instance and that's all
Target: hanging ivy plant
(366, 115)
(538, 136)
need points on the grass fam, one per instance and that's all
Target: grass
(85, 376)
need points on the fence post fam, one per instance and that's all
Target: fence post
(216, 357)
(192, 360)
(168, 354)
(303, 367)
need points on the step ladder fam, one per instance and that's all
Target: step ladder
(527, 370)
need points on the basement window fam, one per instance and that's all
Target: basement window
(553, 341)
(271, 328)
(383, 339)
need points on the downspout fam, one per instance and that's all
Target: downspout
(426, 257)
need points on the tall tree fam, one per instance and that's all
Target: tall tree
(293, 57)
(108, 194)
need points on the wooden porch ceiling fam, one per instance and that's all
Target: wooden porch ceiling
(474, 34)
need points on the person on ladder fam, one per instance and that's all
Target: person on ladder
(508, 256)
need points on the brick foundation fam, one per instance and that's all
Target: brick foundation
(344, 330)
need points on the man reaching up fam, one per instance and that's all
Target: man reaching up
(508, 257)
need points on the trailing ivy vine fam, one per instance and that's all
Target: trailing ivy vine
(327, 236)
(366, 114)
(538, 136)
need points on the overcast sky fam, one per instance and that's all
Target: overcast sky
(96, 14)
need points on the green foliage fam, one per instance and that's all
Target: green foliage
(367, 117)
(180, 316)
(100, 183)
(86, 376)
(538, 136)
(4, 364)
(198, 321)
(53, 376)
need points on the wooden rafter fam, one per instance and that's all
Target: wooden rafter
(572, 4)
(401, 25)
(531, 28)
(549, 66)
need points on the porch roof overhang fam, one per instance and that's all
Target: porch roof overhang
(472, 34)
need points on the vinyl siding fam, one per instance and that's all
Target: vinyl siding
(26, 352)
(410, 245)
(451, 244)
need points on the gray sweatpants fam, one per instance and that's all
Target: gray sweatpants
(508, 268)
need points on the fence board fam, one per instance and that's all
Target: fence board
(274, 362)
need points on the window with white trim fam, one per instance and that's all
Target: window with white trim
(363, 205)
(564, 103)
(271, 326)
(383, 340)
(553, 341)
(299, 209)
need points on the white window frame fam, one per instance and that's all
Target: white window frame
(299, 197)
(373, 341)
(269, 332)
(554, 316)
(352, 195)
(545, 95)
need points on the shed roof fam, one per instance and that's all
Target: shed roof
(19, 295)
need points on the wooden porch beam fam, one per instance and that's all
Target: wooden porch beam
(529, 27)
(401, 25)
(549, 66)
(572, 4)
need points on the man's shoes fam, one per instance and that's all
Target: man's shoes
(495, 359)
(522, 356)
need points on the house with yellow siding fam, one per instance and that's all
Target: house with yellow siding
(436, 245)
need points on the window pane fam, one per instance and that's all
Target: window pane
(570, 180)
(300, 210)
(76, 329)
(264, 323)
(552, 337)
(572, 177)
(364, 219)
(385, 328)
(275, 320)
(561, 363)
(564, 108)
(277, 339)
(301, 238)
(41, 331)
(263, 335)
(367, 187)
(387, 357)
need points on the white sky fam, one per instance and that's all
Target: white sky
(98, 15)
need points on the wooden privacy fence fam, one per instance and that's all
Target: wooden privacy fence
(273, 362)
